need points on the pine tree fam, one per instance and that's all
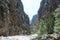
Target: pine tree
(46, 24)
(57, 20)
(49, 21)
(42, 27)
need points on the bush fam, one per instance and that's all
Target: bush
(57, 20)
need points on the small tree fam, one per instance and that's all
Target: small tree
(49, 21)
(57, 20)
(42, 27)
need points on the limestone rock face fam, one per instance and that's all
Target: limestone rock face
(45, 13)
(33, 21)
(13, 20)
(34, 24)
(48, 6)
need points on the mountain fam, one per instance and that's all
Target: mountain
(33, 21)
(34, 24)
(46, 17)
(14, 20)
(47, 6)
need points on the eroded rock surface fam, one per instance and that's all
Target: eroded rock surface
(13, 20)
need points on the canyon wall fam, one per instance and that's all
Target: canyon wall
(13, 19)
(46, 16)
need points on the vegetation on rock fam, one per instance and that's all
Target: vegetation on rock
(57, 20)
(13, 20)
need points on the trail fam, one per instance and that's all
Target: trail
(19, 37)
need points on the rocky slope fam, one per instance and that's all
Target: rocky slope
(13, 20)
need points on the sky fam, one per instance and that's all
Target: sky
(31, 7)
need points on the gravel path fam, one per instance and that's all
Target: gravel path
(19, 37)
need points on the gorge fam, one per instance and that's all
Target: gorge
(14, 20)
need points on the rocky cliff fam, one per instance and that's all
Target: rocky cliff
(34, 24)
(47, 6)
(33, 21)
(46, 16)
(13, 20)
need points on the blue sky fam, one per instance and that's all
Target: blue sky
(31, 7)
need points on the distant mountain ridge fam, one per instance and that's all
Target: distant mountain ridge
(33, 21)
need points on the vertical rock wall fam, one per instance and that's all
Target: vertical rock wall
(13, 20)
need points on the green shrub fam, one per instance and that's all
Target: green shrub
(42, 27)
(57, 20)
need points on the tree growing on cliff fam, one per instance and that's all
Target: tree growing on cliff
(42, 27)
(49, 21)
(46, 24)
(57, 20)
